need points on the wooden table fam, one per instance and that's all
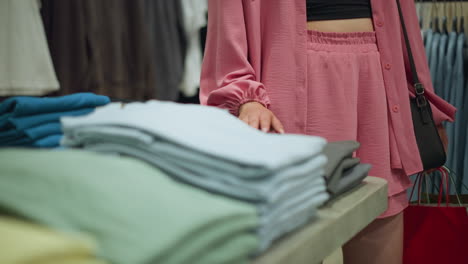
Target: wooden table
(337, 223)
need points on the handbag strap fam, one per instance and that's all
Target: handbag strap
(418, 86)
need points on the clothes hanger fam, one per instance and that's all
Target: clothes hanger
(462, 19)
(435, 18)
(455, 22)
(421, 13)
(444, 18)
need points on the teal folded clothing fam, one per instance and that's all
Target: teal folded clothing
(26, 106)
(137, 214)
(51, 141)
(24, 122)
(42, 131)
(30, 135)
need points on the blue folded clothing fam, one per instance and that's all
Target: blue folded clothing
(28, 136)
(35, 121)
(25, 106)
(51, 141)
(44, 130)
(25, 122)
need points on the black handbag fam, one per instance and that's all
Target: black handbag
(430, 145)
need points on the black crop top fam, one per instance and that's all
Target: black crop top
(338, 9)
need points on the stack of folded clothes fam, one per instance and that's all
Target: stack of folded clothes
(135, 213)
(282, 175)
(35, 121)
(343, 172)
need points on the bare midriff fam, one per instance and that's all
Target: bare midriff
(342, 25)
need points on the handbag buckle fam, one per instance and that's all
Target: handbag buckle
(421, 101)
(419, 87)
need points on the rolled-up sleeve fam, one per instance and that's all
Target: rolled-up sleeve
(228, 79)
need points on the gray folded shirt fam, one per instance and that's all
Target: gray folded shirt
(340, 158)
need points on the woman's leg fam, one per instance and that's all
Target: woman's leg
(379, 243)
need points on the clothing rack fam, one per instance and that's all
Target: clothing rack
(444, 26)
(427, 10)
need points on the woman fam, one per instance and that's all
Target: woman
(336, 69)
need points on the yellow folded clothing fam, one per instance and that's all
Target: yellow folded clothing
(26, 243)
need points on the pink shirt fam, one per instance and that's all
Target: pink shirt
(256, 51)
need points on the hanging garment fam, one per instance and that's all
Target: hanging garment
(439, 77)
(465, 155)
(455, 88)
(26, 66)
(428, 44)
(448, 65)
(449, 91)
(167, 39)
(194, 17)
(459, 131)
(27, 243)
(434, 56)
(282, 175)
(101, 47)
(137, 214)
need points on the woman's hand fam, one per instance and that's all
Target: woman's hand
(259, 117)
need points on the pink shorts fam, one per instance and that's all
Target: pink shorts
(347, 101)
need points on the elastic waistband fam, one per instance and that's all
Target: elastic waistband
(345, 42)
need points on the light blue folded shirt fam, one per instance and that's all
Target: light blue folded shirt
(208, 130)
(211, 172)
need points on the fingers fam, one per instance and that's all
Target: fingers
(254, 121)
(244, 118)
(251, 120)
(258, 117)
(276, 124)
(265, 123)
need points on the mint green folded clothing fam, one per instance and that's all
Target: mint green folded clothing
(136, 213)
